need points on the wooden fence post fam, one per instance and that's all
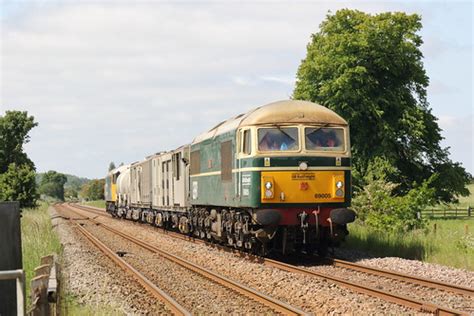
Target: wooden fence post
(44, 288)
(434, 228)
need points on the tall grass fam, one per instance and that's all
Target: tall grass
(38, 240)
(446, 242)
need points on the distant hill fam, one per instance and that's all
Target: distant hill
(73, 182)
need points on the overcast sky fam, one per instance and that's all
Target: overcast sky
(119, 80)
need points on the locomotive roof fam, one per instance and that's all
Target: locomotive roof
(118, 169)
(280, 112)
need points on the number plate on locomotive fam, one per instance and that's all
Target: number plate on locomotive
(302, 176)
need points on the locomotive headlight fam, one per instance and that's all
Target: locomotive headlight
(268, 185)
(339, 184)
(268, 194)
(339, 193)
(303, 166)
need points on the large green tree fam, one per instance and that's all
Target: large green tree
(14, 129)
(52, 184)
(369, 69)
(17, 171)
(18, 184)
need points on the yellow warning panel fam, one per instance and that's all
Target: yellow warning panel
(302, 186)
(114, 192)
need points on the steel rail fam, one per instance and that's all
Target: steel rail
(274, 304)
(388, 296)
(403, 277)
(174, 306)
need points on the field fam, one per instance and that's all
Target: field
(465, 201)
(445, 241)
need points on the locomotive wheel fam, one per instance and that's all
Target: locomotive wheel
(323, 248)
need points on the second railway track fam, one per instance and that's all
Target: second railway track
(420, 305)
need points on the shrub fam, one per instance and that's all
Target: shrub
(379, 207)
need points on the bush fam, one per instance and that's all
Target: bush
(379, 207)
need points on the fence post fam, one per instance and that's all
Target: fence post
(434, 228)
(469, 211)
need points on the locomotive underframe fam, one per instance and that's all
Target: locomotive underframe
(239, 228)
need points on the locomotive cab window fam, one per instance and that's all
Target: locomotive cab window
(246, 142)
(278, 139)
(324, 139)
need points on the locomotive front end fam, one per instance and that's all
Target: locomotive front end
(298, 176)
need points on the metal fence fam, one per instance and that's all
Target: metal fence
(455, 212)
(19, 275)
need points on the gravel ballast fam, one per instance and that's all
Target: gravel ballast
(94, 281)
(311, 294)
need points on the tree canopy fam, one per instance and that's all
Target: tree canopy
(93, 190)
(14, 129)
(369, 69)
(17, 171)
(52, 184)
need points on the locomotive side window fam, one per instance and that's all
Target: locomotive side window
(195, 162)
(278, 139)
(247, 143)
(324, 139)
(176, 164)
(226, 161)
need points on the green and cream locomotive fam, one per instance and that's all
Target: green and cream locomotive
(275, 179)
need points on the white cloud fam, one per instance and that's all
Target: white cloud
(120, 80)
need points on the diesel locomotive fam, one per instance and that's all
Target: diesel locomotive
(274, 179)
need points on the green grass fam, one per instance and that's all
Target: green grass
(98, 203)
(38, 240)
(444, 241)
(450, 244)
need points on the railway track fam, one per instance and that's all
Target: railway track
(385, 295)
(169, 302)
(274, 304)
(403, 277)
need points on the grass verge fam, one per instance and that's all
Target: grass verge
(38, 239)
(98, 203)
(445, 241)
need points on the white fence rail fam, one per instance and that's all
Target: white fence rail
(19, 275)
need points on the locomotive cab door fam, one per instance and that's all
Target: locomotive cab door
(244, 149)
